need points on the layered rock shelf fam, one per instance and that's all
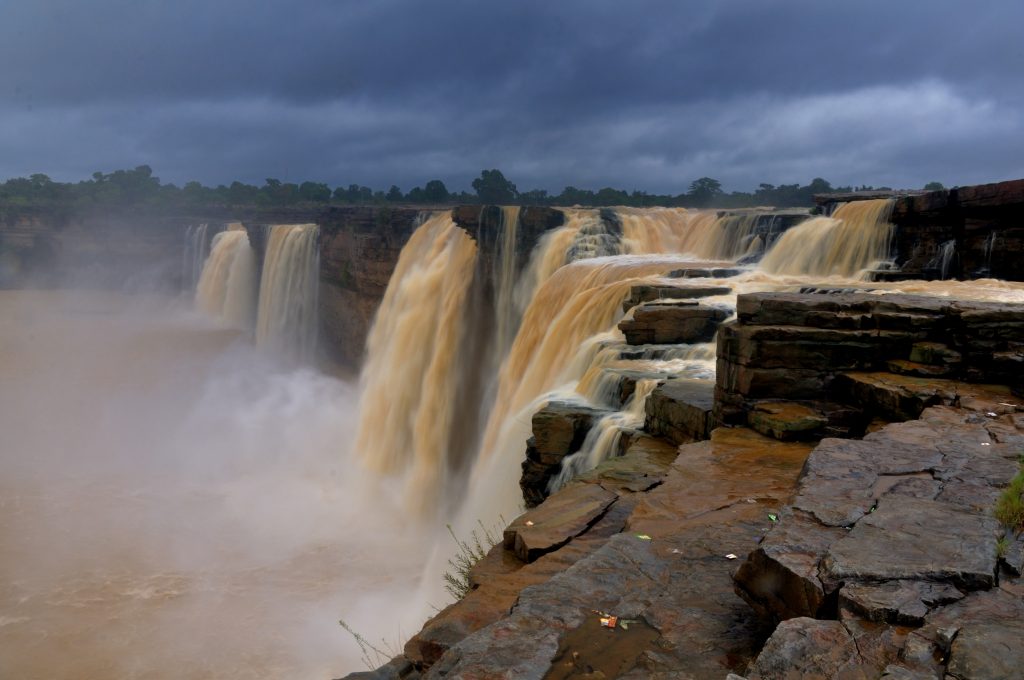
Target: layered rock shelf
(766, 550)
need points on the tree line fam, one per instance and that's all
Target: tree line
(140, 189)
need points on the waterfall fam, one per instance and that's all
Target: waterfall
(947, 251)
(506, 318)
(195, 253)
(603, 440)
(286, 321)
(413, 374)
(857, 236)
(227, 285)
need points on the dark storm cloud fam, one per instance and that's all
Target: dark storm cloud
(635, 95)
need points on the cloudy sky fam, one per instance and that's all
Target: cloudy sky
(647, 94)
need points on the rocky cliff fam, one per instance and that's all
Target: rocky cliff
(758, 553)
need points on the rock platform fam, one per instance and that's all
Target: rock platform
(772, 550)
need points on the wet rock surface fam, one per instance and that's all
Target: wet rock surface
(680, 410)
(894, 530)
(678, 323)
(667, 569)
(650, 292)
(795, 347)
(559, 429)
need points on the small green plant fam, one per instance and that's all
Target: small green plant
(470, 552)
(1009, 508)
(1002, 544)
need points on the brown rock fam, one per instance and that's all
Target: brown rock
(557, 520)
(685, 323)
(680, 410)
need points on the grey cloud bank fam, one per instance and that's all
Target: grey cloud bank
(645, 95)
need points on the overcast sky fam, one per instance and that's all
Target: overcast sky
(633, 94)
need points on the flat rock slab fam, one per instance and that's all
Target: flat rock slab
(654, 323)
(557, 520)
(987, 650)
(708, 273)
(667, 569)
(647, 292)
(905, 397)
(910, 538)
(897, 602)
(808, 648)
(787, 420)
(901, 518)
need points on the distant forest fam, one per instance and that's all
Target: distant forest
(139, 189)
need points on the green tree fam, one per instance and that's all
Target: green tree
(394, 194)
(704, 191)
(435, 192)
(491, 187)
(934, 186)
(314, 192)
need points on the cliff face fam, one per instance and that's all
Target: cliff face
(41, 248)
(359, 248)
(978, 229)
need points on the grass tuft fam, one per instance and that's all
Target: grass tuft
(470, 552)
(1009, 508)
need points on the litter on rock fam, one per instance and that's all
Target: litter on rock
(990, 414)
(677, 551)
(985, 444)
(730, 556)
(529, 523)
(609, 621)
(773, 517)
(643, 537)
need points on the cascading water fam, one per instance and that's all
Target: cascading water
(856, 237)
(227, 285)
(196, 249)
(413, 377)
(603, 440)
(286, 320)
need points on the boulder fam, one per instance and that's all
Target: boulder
(680, 410)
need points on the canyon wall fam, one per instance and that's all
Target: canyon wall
(979, 228)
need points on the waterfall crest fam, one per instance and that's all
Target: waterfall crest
(286, 321)
(854, 238)
(227, 285)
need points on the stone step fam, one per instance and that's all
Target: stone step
(680, 410)
(685, 323)
(787, 420)
(647, 292)
(706, 273)
(904, 397)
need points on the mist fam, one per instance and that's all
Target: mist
(178, 503)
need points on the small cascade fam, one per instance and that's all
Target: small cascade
(593, 236)
(604, 439)
(413, 376)
(227, 285)
(947, 251)
(731, 236)
(196, 250)
(287, 318)
(856, 237)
